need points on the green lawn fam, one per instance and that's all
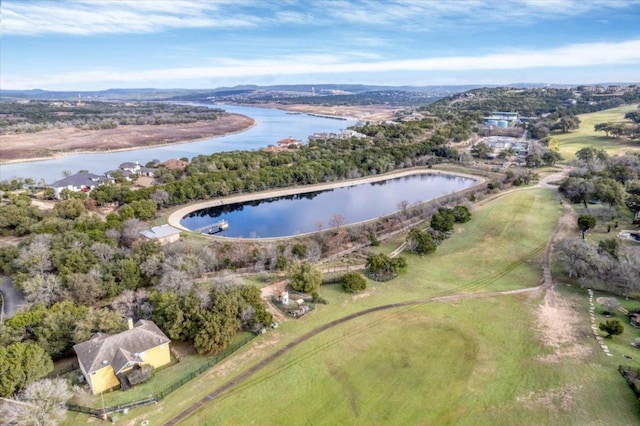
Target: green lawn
(431, 364)
(586, 136)
(475, 361)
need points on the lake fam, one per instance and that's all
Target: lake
(311, 211)
(271, 126)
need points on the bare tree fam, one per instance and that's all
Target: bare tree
(36, 257)
(112, 234)
(576, 255)
(131, 229)
(160, 197)
(403, 206)
(314, 251)
(152, 265)
(104, 252)
(45, 289)
(133, 304)
(85, 289)
(176, 281)
(42, 403)
(337, 221)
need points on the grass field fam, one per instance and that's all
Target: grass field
(586, 136)
(434, 364)
(472, 361)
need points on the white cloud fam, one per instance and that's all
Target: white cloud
(88, 17)
(567, 57)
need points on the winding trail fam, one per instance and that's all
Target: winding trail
(447, 296)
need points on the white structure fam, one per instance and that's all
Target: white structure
(164, 234)
(82, 181)
(284, 297)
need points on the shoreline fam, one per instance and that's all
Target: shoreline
(176, 216)
(64, 154)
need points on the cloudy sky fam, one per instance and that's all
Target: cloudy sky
(94, 44)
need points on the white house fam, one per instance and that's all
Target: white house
(82, 181)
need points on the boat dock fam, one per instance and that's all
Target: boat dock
(219, 226)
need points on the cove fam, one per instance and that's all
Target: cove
(312, 211)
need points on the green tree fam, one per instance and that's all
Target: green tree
(633, 116)
(381, 267)
(461, 214)
(609, 245)
(612, 327)
(443, 220)
(69, 209)
(305, 277)
(21, 364)
(420, 242)
(590, 154)
(609, 191)
(481, 150)
(353, 282)
(586, 222)
(550, 157)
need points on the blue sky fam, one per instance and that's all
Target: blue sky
(94, 45)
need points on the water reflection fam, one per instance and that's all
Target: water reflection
(308, 212)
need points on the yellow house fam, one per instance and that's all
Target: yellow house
(105, 359)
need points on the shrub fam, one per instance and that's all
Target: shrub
(611, 327)
(353, 282)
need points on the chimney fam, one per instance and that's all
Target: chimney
(130, 322)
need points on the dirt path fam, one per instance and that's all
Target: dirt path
(552, 318)
(278, 354)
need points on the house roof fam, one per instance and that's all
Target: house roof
(79, 180)
(129, 165)
(174, 164)
(160, 232)
(119, 349)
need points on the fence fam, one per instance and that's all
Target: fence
(212, 361)
(102, 413)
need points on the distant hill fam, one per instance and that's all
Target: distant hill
(292, 93)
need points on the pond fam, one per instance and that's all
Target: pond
(312, 211)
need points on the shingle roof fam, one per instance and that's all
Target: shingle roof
(160, 231)
(78, 180)
(119, 349)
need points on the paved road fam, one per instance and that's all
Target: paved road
(12, 299)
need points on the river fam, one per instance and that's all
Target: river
(311, 211)
(271, 126)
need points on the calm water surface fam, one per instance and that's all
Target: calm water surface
(271, 126)
(301, 213)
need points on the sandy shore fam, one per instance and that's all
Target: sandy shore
(175, 217)
(70, 140)
(372, 113)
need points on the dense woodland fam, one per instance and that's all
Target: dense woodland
(82, 273)
(35, 116)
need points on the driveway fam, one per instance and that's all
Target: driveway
(12, 299)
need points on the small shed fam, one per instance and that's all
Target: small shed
(164, 234)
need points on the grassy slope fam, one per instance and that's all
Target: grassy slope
(441, 364)
(586, 136)
(471, 362)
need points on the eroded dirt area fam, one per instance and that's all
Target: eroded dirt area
(558, 323)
